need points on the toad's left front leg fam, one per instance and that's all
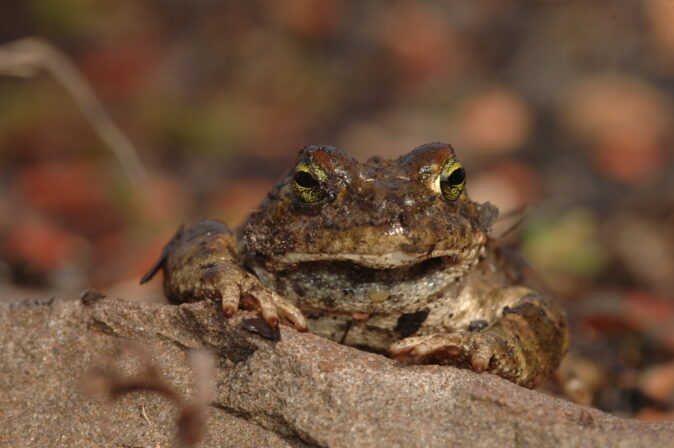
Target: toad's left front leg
(523, 346)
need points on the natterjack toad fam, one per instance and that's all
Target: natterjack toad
(389, 255)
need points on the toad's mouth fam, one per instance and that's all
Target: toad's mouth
(391, 260)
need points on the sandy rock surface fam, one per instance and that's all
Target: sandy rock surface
(301, 391)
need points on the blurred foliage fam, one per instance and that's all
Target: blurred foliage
(564, 106)
(565, 246)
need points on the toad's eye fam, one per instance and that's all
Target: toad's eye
(452, 179)
(308, 181)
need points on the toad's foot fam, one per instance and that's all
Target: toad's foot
(255, 296)
(478, 351)
(523, 346)
(200, 263)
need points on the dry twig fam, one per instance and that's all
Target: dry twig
(192, 414)
(27, 57)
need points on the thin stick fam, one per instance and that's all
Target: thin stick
(142, 412)
(27, 57)
(521, 214)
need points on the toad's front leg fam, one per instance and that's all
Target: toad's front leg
(524, 345)
(200, 263)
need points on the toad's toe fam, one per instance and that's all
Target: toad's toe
(271, 305)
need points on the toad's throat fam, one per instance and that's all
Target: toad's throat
(343, 286)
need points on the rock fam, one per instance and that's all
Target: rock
(301, 391)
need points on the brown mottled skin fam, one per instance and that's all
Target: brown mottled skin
(378, 256)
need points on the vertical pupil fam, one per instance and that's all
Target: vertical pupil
(457, 177)
(306, 180)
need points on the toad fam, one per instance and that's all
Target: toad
(387, 255)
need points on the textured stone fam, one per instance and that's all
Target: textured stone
(300, 391)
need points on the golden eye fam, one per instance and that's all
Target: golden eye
(452, 179)
(308, 181)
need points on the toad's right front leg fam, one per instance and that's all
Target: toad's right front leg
(200, 263)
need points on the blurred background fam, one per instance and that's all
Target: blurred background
(561, 109)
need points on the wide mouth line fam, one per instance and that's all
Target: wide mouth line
(390, 260)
